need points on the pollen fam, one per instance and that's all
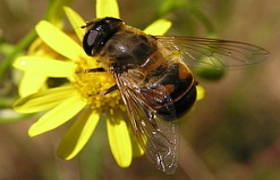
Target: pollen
(92, 85)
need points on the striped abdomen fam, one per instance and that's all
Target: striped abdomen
(177, 87)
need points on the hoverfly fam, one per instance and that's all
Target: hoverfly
(153, 76)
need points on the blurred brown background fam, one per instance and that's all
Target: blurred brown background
(232, 134)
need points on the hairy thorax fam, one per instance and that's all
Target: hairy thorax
(128, 49)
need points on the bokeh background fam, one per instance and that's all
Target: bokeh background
(233, 133)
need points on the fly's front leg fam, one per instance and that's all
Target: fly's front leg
(107, 91)
(95, 70)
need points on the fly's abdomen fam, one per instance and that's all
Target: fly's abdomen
(178, 90)
(183, 103)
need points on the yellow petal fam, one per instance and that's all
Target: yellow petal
(78, 135)
(43, 100)
(158, 27)
(200, 92)
(45, 66)
(59, 41)
(107, 8)
(120, 143)
(58, 115)
(31, 83)
(76, 21)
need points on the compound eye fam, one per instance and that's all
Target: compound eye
(91, 42)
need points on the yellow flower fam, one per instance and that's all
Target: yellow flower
(81, 96)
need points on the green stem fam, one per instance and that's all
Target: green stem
(6, 102)
(7, 62)
(20, 117)
(53, 13)
(204, 19)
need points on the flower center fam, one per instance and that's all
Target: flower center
(92, 84)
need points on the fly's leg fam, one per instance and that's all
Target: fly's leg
(107, 91)
(95, 70)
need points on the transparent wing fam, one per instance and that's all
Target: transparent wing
(156, 136)
(213, 52)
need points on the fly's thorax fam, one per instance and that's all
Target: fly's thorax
(129, 48)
